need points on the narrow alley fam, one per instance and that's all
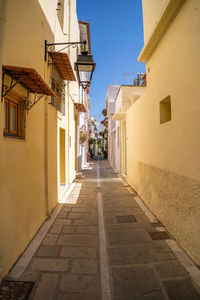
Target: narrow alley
(101, 244)
(99, 150)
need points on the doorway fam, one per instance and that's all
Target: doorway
(62, 157)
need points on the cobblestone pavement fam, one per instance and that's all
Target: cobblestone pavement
(69, 263)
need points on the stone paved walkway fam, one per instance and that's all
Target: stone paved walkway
(68, 264)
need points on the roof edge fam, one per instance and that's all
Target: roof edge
(160, 28)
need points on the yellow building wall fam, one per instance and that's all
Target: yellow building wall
(163, 159)
(152, 12)
(28, 179)
(62, 156)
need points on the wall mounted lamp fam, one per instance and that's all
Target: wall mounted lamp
(84, 68)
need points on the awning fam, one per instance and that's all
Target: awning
(61, 60)
(118, 116)
(30, 79)
(80, 107)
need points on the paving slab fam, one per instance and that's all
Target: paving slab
(55, 228)
(128, 218)
(48, 251)
(73, 215)
(79, 252)
(181, 290)
(63, 214)
(170, 269)
(86, 229)
(50, 264)
(135, 283)
(132, 255)
(62, 221)
(112, 210)
(131, 226)
(162, 251)
(85, 222)
(46, 287)
(85, 266)
(50, 239)
(66, 208)
(77, 240)
(79, 282)
(68, 229)
(128, 237)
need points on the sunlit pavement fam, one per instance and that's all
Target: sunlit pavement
(101, 246)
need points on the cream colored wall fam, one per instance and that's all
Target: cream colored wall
(74, 36)
(28, 189)
(69, 33)
(118, 108)
(49, 10)
(72, 171)
(163, 160)
(128, 94)
(152, 11)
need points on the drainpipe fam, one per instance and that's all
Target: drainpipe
(46, 155)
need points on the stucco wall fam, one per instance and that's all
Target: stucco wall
(152, 11)
(28, 175)
(163, 159)
(118, 108)
(70, 33)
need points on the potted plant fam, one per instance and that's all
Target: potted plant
(83, 135)
(83, 50)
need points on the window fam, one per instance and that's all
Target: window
(165, 110)
(13, 119)
(60, 12)
(57, 85)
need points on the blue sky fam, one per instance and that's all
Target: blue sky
(116, 39)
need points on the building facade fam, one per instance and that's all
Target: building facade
(127, 95)
(163, 124)
(39, 113)
(112, 92)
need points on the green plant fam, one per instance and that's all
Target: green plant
(92, 141)
(104, 112)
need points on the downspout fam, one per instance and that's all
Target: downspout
(46, 155)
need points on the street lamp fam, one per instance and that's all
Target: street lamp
(84, 66)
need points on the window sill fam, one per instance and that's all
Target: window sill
(7, 138)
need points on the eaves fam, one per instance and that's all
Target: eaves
(160, 28)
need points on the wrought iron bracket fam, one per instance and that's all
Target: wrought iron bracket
(6, 90)
(30, 104)
(51, 46)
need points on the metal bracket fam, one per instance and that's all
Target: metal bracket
(12, 85)
(5, 90)
(30, 104)
(51, 46)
